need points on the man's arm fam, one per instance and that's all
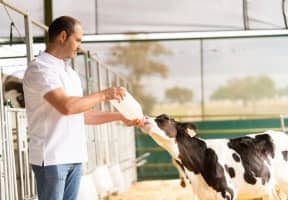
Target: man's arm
(68, 105)
(95, 117)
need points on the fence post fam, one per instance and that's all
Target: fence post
(99, 78)
(2, 180)
(109, 84)
(28, 38)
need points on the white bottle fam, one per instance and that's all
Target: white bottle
(128, 107)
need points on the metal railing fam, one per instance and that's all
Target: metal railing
(282, 122)
(108, 144)
(88, 58)
(17, 178)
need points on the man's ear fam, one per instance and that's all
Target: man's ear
(62, 36)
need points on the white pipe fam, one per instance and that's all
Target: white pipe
(282, 120)
(25, 13)
(183, 35)
(13, 166)
(9, 191)
(20, 158)
(5, 157)
(2, 143)
(28, 38)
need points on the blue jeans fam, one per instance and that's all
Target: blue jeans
(58, 182)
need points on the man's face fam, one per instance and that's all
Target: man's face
(72, 44)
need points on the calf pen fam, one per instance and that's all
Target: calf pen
(111, 167)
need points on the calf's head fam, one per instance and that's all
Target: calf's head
(172, 127)
(13, 90)
(167, 124)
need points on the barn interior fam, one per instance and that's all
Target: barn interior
(219, 64)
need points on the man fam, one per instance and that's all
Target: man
(57, 112)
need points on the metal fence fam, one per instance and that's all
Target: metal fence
(110, 146)
(17, 181)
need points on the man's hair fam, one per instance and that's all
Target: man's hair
(63, 23)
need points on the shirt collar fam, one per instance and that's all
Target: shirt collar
(54, 61)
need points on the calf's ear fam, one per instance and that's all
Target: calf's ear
(191, 132)
(191, 126)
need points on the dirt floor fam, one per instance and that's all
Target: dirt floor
(155, 190)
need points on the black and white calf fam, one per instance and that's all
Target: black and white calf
(254, 166)
(13, 89)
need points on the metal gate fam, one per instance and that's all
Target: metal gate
(17, 181)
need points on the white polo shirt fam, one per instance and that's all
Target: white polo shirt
(54, 138)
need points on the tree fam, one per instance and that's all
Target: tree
(246, 89)
(178, 94)
(139, 60)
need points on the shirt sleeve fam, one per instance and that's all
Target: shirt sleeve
(41, 80)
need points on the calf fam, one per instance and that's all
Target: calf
(166, 143)
(254, 166)
(13, 90)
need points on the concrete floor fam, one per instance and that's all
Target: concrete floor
(155, 190)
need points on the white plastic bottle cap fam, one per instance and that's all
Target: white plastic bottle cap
(128, 107)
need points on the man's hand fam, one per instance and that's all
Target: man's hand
(117, 93)
(135, 122)
(147, 124)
